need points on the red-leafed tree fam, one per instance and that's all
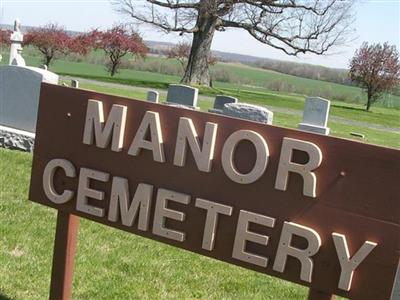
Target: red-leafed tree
(181, 53)
(118, 42)
(51, 40)
(83, 43)
(375, 68)
(5, 37)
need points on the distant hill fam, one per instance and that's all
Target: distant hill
(286, 67)
(292, 68)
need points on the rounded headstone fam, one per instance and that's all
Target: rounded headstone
(221, 100)
(153, 96)
(74, 83)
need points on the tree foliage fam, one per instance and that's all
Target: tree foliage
(51, 40)
(5, 36)
(82, 44)
(376, 68)
(181, 53)
(116, 43)
(292, 26)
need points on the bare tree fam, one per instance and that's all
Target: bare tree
(292, 26)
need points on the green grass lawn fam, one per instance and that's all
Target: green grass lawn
(110, 264)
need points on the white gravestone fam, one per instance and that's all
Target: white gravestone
(219, 103)
(315, 115)
(249, 112)
(183, 95)
(16, 39)
(153, 96)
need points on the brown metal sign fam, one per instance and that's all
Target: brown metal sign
(316, 210)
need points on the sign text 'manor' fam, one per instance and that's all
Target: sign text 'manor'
(291, 204)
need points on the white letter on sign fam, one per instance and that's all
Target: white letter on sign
(210, 228)
(84, 192)
(286, 165)
(95, 128)
(48, 180)
(187, 135)
(303, 255)
(243, 234)
(140, 202)
(228, 152)
(162, 213)
(348, 264)
(150, 122)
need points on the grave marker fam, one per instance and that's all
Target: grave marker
(248, 112)
(19, 91)
(153, 96)
(220, 101)
(75, 83)
(182, 94)
(315, 115)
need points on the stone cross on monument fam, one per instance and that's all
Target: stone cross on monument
(16, 38)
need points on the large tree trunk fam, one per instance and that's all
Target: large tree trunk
(369, 99)
(113, 69)
(47, 60)
(197, 71)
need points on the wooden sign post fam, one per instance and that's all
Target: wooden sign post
(315, 210)
(64, 255)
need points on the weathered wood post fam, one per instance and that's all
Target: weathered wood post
(63, 256)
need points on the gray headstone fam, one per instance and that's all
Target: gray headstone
(182, 94)
(74, 83)
(249, 112)
(19, 95)
(220, 101)
(315, 115)
(153, 96)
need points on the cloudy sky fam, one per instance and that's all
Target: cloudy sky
(376, 21)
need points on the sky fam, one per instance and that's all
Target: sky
(376, 21)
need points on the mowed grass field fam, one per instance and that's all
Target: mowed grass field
(247, 78)
(111, 264)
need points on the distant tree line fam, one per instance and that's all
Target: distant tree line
(305, 70)
(53, 41)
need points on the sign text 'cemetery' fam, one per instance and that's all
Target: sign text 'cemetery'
(312, 209)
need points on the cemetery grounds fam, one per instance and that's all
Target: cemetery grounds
(111, 264)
